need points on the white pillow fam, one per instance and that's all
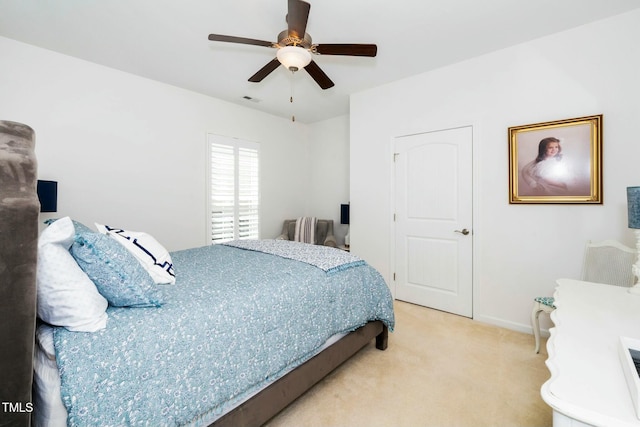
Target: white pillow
(46, 382)
(66, 295)
(148, 251)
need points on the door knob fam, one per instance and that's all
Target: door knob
(464, 231)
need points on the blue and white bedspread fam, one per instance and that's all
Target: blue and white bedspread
(326, 258)
(234, 321)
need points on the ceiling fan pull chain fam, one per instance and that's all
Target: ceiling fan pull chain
(293, 116)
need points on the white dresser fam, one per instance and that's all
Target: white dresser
(587, 384)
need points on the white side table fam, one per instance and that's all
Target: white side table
(587, 384)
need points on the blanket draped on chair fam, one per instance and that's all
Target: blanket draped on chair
(306, 230)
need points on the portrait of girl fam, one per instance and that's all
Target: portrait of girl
(548, 173)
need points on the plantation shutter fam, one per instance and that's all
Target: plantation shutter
(234, 197)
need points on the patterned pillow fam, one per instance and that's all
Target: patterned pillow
(147, 250)
(66, 295)
(116, 273)
(79, 227)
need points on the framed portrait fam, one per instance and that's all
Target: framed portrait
(556, 162)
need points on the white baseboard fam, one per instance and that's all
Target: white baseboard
(514, 326)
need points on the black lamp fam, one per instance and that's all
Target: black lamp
(48, 196)
(344, 219)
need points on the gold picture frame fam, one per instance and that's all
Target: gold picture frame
(556, 162)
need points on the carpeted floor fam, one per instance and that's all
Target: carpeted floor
(439, 370)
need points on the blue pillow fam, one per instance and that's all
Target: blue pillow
(79, 227)
(117, 274)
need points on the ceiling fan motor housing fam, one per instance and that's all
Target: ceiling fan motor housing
(285, 39)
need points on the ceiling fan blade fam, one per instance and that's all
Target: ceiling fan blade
(347, 49)
(318, 75)
(265, 71)
(241, 40)
(297, 16)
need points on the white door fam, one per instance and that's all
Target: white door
(433, 219)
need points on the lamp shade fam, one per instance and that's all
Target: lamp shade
(633, 206)
(344, 214)
(48, 195)
(294, 57)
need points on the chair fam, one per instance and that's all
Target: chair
(608, 262)
(323, 233)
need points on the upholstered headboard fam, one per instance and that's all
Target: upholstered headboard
(19, 208)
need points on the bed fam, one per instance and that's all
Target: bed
(242, 330)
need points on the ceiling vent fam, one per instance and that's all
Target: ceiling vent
(248, 98)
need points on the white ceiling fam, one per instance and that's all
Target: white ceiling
(166, 40)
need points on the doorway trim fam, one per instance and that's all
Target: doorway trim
(475, 213)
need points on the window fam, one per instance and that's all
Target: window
(234, 197)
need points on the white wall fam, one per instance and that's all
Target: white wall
(131, 152)
(519, 249)
(329, 171)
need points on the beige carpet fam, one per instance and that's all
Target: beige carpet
(439, 370)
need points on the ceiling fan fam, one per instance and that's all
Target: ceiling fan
(295, 47)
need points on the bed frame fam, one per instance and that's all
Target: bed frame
(19, 210)
(266, 404)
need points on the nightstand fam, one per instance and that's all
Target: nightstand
(344, 248)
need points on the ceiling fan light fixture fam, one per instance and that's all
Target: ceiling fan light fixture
(294, 57)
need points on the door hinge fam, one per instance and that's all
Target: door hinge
(394, 276)
(394, 217)
(394, 156)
